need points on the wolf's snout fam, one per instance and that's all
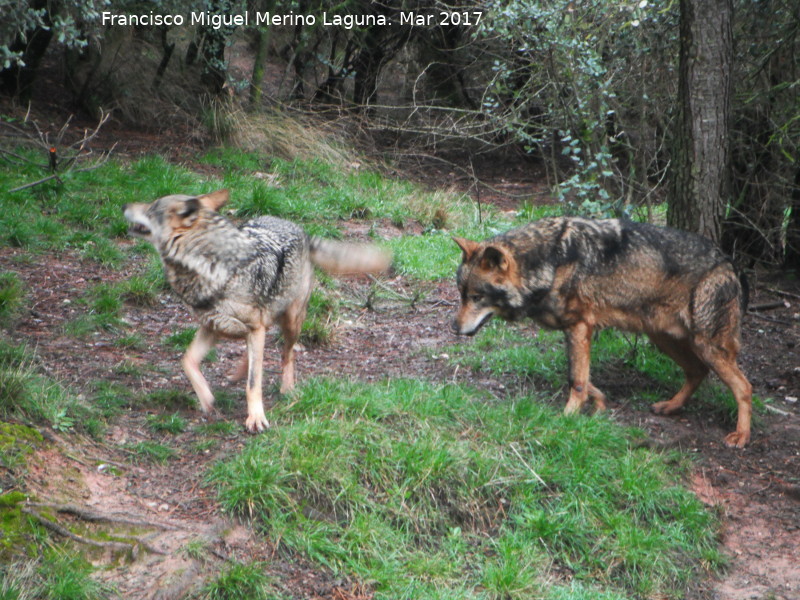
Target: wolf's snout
(455, 327)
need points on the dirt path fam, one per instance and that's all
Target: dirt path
(756, 490)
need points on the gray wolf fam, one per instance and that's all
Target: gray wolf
(578, 275)
(240, 280)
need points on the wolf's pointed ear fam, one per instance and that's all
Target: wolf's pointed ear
(468, 247)
(215, 200)
(189, 207)
(495, 258)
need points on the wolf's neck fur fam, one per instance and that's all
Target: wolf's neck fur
(200, 261)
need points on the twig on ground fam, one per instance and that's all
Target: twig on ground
(782, 293)
(770, 319)
(769, 306)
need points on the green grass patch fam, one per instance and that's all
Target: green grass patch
(180, 340)
(25, 392)
(241, 582)
(517, 350)
(85, 214)
(170, 399)
(150, 452)
(173, 424)
(58, 574)
(17, 442)
(440, 492)
(12, 297)
(323, 309)
(219, 429)
(103, 304)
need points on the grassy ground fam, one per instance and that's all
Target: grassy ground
(420, 490)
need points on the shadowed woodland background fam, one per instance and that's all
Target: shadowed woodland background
(623, 103)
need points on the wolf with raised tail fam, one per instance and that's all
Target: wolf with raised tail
(578, 275)
(240, 280)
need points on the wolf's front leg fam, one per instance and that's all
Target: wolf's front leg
(203, 341)
(256, 421)
(579, 343)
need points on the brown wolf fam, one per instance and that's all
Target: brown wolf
(578, 275)
(238, 281)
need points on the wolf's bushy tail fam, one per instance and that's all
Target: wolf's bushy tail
(343, 258)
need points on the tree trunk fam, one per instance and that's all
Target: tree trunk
(701, 155)
(262, 46)
(215, 71)
(167, 50)
(257, 78)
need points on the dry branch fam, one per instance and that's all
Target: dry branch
(76, 157)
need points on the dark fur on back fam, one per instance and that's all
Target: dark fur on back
(578, 275)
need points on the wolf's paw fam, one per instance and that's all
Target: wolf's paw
(206, 404)
(239, 372)
(665, 408)
(737, 439)
(256, 423)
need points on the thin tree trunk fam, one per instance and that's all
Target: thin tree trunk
(167, 49)
(257, 78)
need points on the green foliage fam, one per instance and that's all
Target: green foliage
(439, 491)
(572, 82)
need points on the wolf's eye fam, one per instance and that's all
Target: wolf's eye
(474, 297)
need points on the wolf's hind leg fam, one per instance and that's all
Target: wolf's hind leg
(693, 367)
(203, 341)
(721, 357)
(717, 311)
(256, 421)
(598, 397)
(239, 372)
(291, 323)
